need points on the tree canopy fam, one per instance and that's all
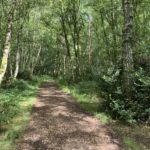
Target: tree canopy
(81, 40)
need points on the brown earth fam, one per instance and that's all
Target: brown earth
(59, 123)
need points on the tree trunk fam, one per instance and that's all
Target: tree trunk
(65, 31)
(90, 42)
(127, 56)
(4, 63)
(18, 53)
(34, 62)
(113, 27)
(17, 64)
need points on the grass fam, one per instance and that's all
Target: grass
(86, 94)
(134, 137)
(16, 101)
(133, 145)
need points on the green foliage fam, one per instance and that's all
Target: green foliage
(16, 101)
(117, 105)
(26, 75)
(14, 134)
(118, 110)
(77, 41)
(86, 93)
(16, 84)
(88, 97)
(130, 143)
(142, 96)
(8, 107)
(10, 98)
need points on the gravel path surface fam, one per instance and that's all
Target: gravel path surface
(59, 123)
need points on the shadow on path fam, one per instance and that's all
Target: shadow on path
(59, 123)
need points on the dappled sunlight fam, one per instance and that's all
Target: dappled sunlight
(39, 104)
(75, 74)
(58, 122)
(19, 103)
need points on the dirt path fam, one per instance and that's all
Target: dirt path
(59, 123)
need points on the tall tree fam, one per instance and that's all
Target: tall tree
(7, 46)
(127, 49)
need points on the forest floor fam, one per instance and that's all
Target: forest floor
(59, 123)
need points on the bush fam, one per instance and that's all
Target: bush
(9, 99)
(119, 110)
(26, 75)
(8, 107)
(142, 95)
(16, 84)
(118, 106)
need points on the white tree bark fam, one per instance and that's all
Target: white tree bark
(7, 46)
(17, 64)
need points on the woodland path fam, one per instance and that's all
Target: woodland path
(59, 123)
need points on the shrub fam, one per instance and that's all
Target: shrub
(118, 106)
(16, 84)
(8, 108)
(26, 75)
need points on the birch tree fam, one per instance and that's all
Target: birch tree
(7, 45)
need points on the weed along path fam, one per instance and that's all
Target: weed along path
(59, 123)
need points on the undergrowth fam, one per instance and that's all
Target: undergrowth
(87, 94)
(16, 101)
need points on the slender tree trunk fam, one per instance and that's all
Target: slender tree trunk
(34, 62)
(113, 27)
(90, 42)
(18, 53)
(7, 46)
(127, 49)
(17, 64)
(106, 40)
(10, 68)
(65, 31)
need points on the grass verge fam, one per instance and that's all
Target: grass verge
(134, 137)
(16, 101)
